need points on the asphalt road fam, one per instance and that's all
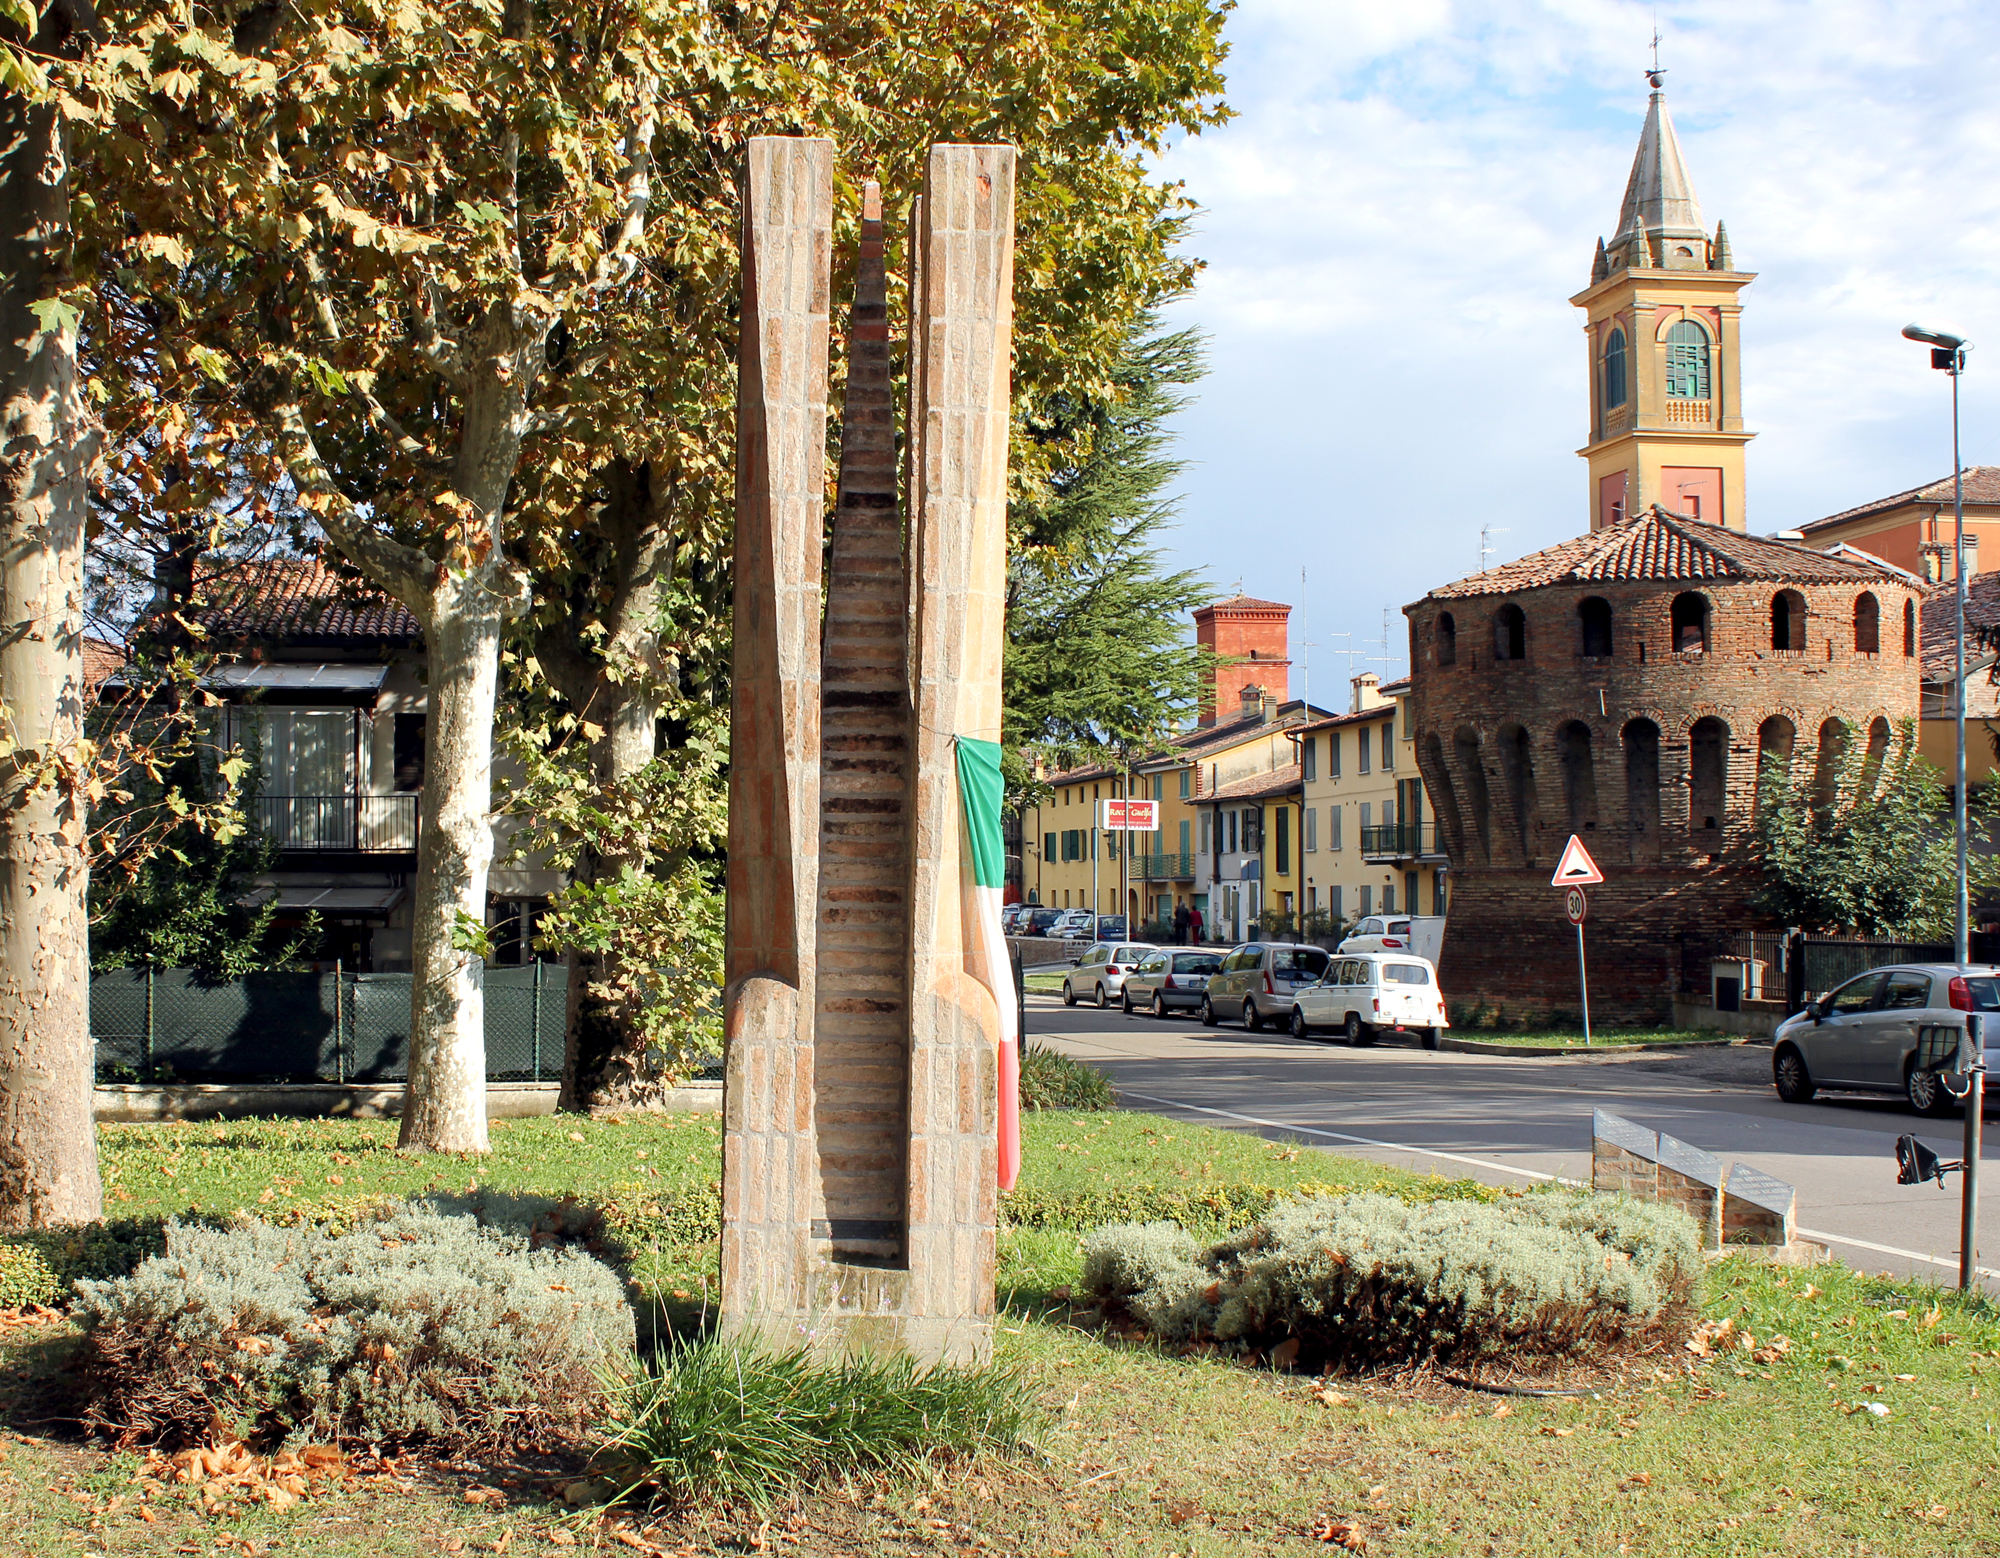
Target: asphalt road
(1503, 1120)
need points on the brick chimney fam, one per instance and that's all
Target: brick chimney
(1253, 633)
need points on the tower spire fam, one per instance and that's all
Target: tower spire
(1660, 203)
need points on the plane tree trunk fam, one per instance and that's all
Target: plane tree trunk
(49, 442)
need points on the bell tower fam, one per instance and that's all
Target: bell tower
(1665, 383)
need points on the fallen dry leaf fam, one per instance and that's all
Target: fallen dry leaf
(1285, 1354)
(1557, 1433)
(560, 1537)
(1340, 1533)
(1502, 1410)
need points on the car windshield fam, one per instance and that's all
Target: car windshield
(1196, 963)
(1299, 960)
(1405, 974)
(1129, 954)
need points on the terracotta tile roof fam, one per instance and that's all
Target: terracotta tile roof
(1660, 546)
(301, 601)
(1381, 711)
(1280, 781)
(1982, 623)
(1244, 603)
(1982, 485)
(1193, 745)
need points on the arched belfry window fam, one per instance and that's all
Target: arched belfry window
(1594, 620)
(1867, 624)
(1687, 361)
(1614, 370)
(1447, 639)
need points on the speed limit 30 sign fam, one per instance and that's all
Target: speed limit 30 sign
(1577, 905)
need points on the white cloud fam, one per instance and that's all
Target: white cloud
(1394, 224)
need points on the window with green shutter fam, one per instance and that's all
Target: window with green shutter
(1687, 361)
(1614, 370)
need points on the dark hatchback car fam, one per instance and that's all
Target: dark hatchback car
(1862, 1037)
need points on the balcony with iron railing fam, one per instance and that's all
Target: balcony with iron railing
(340, 824)
(1401, 841)
(1164, 868)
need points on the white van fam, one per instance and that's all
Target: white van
(1422, 934)
(1369, 993)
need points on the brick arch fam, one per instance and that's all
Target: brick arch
(1469, 752)
(1443, 793)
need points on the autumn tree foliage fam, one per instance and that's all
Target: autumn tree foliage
(459, 280)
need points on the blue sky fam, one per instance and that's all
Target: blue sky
(1413, 190)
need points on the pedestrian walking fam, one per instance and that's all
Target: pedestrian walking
(1194, 925)
(1180, 924)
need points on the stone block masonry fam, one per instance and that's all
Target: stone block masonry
(860, 1189)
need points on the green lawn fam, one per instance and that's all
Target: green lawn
(1758, 1449)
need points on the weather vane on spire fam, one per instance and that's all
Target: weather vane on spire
(1653, 75)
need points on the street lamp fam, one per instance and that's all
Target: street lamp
(1948, 356)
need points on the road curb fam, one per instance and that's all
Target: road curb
(1594, 1051)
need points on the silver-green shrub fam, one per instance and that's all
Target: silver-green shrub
(1370, 1279)
(1151, 1269)
(417, 1327)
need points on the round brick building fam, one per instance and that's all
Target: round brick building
(1626, 687)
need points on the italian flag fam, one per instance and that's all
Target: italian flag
(980, 789)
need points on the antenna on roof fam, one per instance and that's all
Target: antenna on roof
(1486, 534)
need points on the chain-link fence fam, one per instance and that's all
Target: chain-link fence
(282, 1027)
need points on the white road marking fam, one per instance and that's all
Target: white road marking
(1890, 1249)
(1365, 1141)
(1510, 1168)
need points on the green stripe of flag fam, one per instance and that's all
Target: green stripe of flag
(981, 789)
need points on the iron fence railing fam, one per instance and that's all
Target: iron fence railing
(1800, 968)
(353, 824)
(1400, 841)
(293, 1027)
(1164, 868)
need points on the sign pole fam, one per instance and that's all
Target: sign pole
(1575, 871)
(1975, 1102)
(1583, 979)
(1125, 867)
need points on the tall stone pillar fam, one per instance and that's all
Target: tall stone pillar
(962, 291)
(770, 1167)
(861, 1081)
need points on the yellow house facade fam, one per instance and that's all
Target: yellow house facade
(1369, 841)
(1164, 871)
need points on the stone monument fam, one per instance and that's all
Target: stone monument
(861, 1086)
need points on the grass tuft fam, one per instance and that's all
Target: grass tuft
(736, 1422)
(1053, 1080)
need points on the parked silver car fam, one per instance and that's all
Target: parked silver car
(1099, 975)
(1256, 982)
(1170, 980)
(1863, 1035)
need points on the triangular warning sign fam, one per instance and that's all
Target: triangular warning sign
(1576, 868)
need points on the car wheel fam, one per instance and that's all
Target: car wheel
(1429, 1037)
(1926, 1092)
(1069, 995)
(1788, 1072)
(1208, 1017)
(1103, 1000)
(1253, 1020)
(1159, 1007)
(1299, 1028)
(1357, 1031)
(1125, 1000)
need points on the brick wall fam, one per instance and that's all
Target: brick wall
(1516, 754)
